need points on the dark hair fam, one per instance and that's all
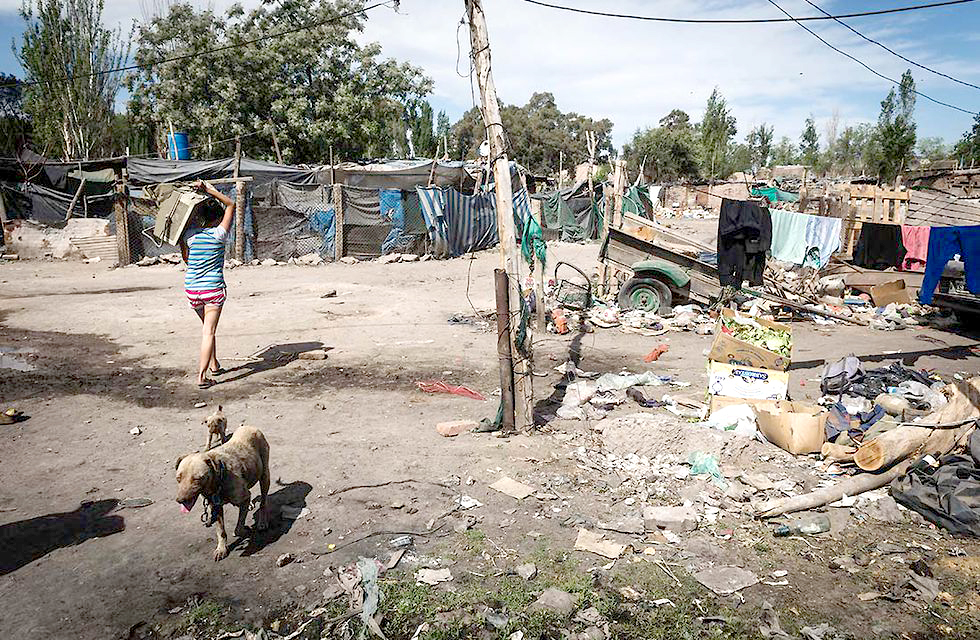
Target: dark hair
(210, 212)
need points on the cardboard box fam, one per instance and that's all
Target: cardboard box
(175, 213)
(794, 426)
(746, 382)
(730, 350)
(720, 402)
(885, 294)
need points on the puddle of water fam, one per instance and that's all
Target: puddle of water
(15, 359)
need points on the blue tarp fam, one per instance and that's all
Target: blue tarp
(459, 224)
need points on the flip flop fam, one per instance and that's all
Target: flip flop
(207, 384)
(220, 371)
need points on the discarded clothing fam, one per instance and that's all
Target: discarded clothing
(393, 213)
(948, 495)
(788, 236)
(916, 243)
(840, 421)
(877, 381)
(944, 243)
(879, 246)
(822, 240)
(744, 236)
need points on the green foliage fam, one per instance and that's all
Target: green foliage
(929, 150)
(540, 135)
(895, 135)
(71, 117)
(784, 153)
(668, 152)
(318, 87)
(967, 150)
(442, 129)
(809, 143)
(15, 128)
(717, 130)
(759, 141)
(419, 118)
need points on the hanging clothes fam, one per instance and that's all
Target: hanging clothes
(788, 236)
(744, 236)
(822, 238)
(944, 243)
(916, 243)
(879, 246)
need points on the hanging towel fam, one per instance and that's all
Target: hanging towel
(879, 246)
(944, 243)
(822, 239)
(788, 236)
(916, 243)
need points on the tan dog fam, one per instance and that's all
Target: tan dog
(226, 474)
(217, 424)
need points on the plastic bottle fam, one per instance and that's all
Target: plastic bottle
(810, 526)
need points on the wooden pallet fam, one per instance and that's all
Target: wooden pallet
(870, 203)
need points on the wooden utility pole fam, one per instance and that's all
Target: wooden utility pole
(239, 204)
(120, 210)
(590, 141)
(509, 252)
(275, 143)
(614, 214)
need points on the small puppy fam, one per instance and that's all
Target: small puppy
(226, 474)
(217, 424)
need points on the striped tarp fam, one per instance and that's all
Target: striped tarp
(459, 224)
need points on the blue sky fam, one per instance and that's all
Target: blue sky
(635, 72)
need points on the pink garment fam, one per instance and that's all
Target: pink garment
(916, 241)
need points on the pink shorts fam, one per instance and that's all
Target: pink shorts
(200, 299)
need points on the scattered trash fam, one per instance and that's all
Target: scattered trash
(658, 351)
(433, 576)
(725, 580)
(285, 559)
(512, 488)
(200, 405)
(820, 632)
(809, 526)
(294, 513)
(437, 386)
(706, 463)
(682, 518)
(769, 626)
(134, 503)
(313, 354)
(595, 543)
(11, 416)
(739, 418)
(401, 542)
(466, 502)
(372, 597)
(135, 431)
(927, 589)
(455, 427)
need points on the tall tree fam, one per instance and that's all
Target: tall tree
(668, 152)
(15, 128)
(541, 136)
(717, 130)
(896, 129)
(930, 150)
(68, 51)
(442, 129)
(759, 141)
(809, 143)
(420, 123)
(968, 148)
(318, 88)
(784, 152)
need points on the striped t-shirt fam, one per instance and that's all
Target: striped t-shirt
(205, 259)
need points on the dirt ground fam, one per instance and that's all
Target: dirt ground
(92, 354)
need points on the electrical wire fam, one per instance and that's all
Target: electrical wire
(894, 53)
(879, 12)
(187, 56)
(880, 75)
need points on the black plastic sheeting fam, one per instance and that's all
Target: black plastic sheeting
(947, 495)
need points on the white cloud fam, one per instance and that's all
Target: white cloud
(635, 72)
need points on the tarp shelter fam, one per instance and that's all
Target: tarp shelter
(571, 213)
(775, 195)
(404, 174)
(459, 224)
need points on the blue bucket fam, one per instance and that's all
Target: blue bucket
(178, 146)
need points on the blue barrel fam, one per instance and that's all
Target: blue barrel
(178, 146)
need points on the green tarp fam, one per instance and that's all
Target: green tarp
(776, 195)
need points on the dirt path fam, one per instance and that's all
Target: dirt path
(111, 351)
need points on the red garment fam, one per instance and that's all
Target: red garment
(916, 241)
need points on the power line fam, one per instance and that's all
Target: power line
(745, 20)
(186, 56)
(894, 53)
(880, 75)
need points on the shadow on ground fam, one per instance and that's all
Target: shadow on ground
(25, 541)
(291, 495)
(272, 357)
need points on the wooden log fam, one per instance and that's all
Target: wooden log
(890, 447)
(338, 221)
(940, 442)
(837, 452)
